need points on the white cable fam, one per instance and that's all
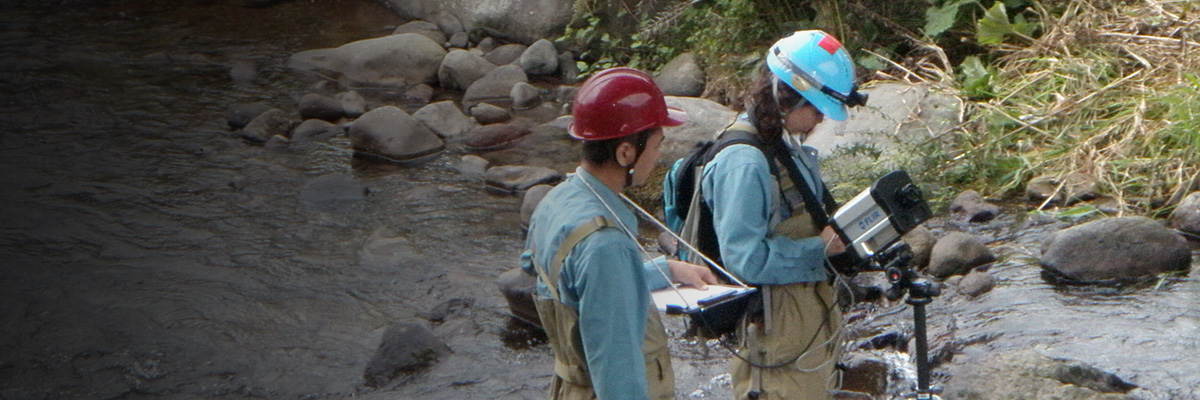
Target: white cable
(664, 228)
(629, 232)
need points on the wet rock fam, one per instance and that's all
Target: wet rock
(864, 374)
(391, 134)
(515, 178)
(497, 84)
(353, 104)
(956, 254)
(523, 21)
(850, 395)
(682, 76)
(460, 40)
(471, 164)
(268, 124)
(705, 119)
(243, 71)
(458, 327)
(1113, 250)
(333, 191)
(239, 115)
(488, 114)
(1071, 189)
(449, 24)
(921, 240)
(568, 70)
(976, 283)
(486, 44)
(445, 309)
(525, 96)
(315, 129)
(277, 142)
(461, 68)
(424, 28)
(445, 119)
(854, 292)
(315, 106)
(971, 206)
(530, 200)
(261, 3)
(418, 95)
(1186, 216)
(406, 347)
(1026, 374)
(540, 59)
(495, 137)
(518, 290)
(506, 54)
(396, 60)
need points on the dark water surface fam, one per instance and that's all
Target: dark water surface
(148, 252)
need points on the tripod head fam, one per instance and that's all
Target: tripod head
(896, 260)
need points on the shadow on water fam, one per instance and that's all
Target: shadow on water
(149, 252)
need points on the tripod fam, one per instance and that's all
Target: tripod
(920, 292)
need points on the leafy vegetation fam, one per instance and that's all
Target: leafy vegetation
(1106, 88)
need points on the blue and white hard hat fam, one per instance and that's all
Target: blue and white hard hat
(817, 66)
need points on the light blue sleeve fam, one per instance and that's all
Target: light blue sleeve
(737, 186)
(655, 271)
(670, 203)
(609, 280)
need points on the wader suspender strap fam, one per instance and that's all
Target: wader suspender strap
(577, 235)
(820, 216)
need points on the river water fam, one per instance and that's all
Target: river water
(150, 253)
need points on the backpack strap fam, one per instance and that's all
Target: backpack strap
(577, 235)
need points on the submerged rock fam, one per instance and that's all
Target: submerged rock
(406, 347)
(333, 191)
(1113, 250)
(325, 108)
(273, 122)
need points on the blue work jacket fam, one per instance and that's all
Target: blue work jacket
(604, 278)
(743, 196)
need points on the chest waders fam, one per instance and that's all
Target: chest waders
(571, 380)
(789, 349)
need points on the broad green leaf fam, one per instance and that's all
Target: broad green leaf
(1023, 26)
(939, 19)
(871, 62)
(994, 25)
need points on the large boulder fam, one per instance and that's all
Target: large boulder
(682, 76)
(397, 60)
(522, 20)
(495, 86)
(461, 68)
(390, 134)
(704, 119)
(1113, 250)
(971, 206)
(424, 28)
(540, 58)
(518, 290)
(1028, 374)
(445, 119)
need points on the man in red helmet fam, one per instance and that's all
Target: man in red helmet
(593, 292)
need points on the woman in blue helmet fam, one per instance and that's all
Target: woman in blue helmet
(769, 214)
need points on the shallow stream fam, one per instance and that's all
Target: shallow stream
(149, 252)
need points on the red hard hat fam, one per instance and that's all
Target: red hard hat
(618, 102)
